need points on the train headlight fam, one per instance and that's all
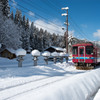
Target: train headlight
(91, 53)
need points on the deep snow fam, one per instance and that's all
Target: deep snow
(47, 82)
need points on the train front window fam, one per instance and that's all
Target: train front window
(75, 50)
(89, 50)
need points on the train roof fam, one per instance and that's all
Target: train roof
(84, 44)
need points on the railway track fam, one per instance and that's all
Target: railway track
(20, 84)
(84, 67)
(14, 91)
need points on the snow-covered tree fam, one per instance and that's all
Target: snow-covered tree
(18, 18)
(12, 16)
(25, 35)
(23, 21)
(32, 29)
(5, 7)
(9, 35)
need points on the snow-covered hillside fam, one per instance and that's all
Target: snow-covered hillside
(46, 82)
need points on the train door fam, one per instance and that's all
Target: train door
(81, 54)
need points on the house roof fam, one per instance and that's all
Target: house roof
(9, 49)
(56, 48)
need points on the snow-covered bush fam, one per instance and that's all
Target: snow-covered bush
(20, 52)
(61, 54)
(35, 53)
(46, 54)
(55, 54)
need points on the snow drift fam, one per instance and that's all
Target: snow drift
(78, 87)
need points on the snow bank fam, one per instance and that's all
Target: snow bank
(20, 52)
(78, 87)
(35, 53)
(46, 53)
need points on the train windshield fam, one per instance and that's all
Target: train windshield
(89, 50)
(75, 50)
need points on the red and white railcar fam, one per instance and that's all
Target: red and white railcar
(86, 54)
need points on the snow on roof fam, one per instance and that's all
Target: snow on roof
(20, 52)
(35, 53)
(57, 48)
(11, 50)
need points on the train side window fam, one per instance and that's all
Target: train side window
(75, 50)
(81, 51)
(89, 50)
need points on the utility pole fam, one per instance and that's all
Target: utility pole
(66, 33)
(66, 14)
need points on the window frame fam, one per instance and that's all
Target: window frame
(75, 50)
(87, 49)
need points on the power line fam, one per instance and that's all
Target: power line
(36, 14)
(80, 30)
(51, 6)
(42, 11)
(51, 22)
(36, 23)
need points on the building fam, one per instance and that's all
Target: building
(54, 49)
(7, 53)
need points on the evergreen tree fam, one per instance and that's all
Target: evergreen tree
(41, 40)
(32, 29)
(5, 7)
(24, 22)
(30, 36)
(18, 17)
(27, 24)
(12, 16)
(11, 34)
(26, 35)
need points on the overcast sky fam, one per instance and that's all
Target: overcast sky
(84, 16)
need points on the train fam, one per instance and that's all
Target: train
(85, 55)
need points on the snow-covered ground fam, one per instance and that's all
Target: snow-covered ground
(47, 82)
